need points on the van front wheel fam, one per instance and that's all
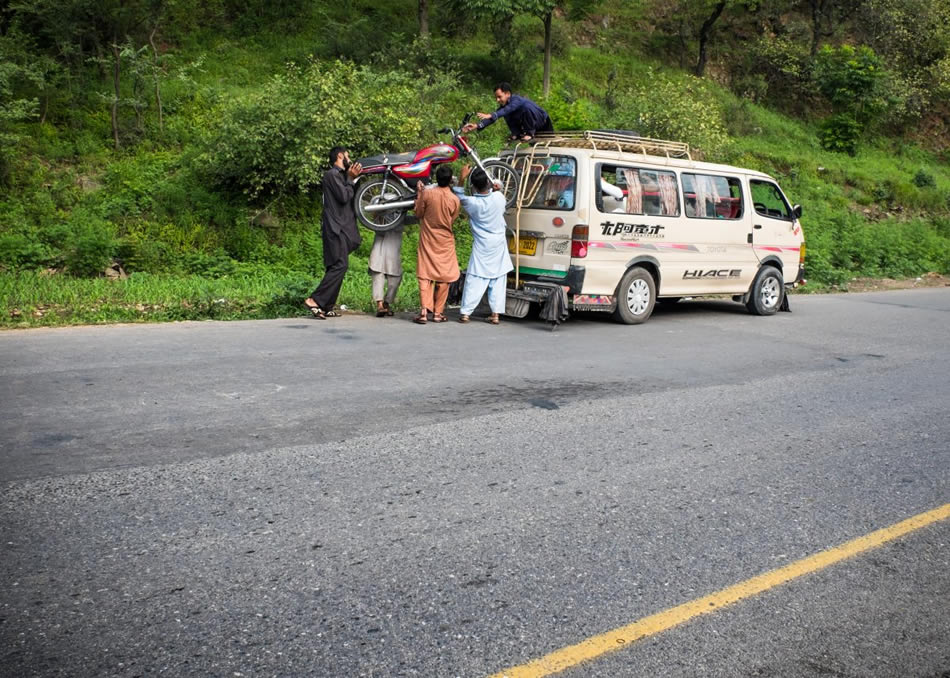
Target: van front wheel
(767, 291)
(636, 296)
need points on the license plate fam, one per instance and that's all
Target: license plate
(527, 245)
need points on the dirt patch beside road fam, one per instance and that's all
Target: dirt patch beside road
(878, 284)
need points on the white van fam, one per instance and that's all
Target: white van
(621, 222)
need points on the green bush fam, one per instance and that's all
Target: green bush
(678, 110)
(924, 179)
(91, 253)
(570, 112)
(840, 133)
(142, 254)
(853, 81)
(21, 253)
(277, 139)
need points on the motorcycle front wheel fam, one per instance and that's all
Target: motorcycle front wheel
(504, 174)
(371, 193)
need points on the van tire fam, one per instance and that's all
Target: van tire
(636, 296)
(767, 292)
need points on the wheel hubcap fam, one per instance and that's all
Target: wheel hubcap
(770, 292)
(638, 297)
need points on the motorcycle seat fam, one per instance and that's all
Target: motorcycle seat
(387, 159)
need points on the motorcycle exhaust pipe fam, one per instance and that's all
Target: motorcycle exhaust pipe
(385, 207)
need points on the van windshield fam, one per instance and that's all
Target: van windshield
(551, 183)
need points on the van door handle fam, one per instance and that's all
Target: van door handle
(757, 226)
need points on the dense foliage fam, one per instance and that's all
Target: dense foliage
(181, 142)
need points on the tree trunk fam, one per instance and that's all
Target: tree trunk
(704, 36)
(816, 8)
(423, 19)
(158, 93)
(115, 100)
(547, 54)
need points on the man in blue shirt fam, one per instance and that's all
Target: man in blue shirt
(489, 263)
(524, 117)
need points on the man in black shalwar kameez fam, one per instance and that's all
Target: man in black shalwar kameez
(340, 233)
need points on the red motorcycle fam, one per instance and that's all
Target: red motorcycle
(388, 192)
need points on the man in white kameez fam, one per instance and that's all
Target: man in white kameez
(489, 263)
(385, 269)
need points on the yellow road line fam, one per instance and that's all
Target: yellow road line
(611, 641)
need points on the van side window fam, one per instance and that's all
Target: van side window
(630, 190)
(709, 196)
(768, 200)
(552, 180)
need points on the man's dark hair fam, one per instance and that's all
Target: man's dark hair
(335, 152)
(479, 180)
(443, 175)
(503, 86)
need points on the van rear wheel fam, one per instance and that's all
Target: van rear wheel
(636, 296)
(767, 292)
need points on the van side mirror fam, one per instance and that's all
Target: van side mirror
(797, 211)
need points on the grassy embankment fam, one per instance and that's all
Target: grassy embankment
(194, 252)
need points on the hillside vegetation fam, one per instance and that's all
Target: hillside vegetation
(179, 144)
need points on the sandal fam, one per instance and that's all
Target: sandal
(493, 319)
(332, 314)
(420, 320)
(386, 310)
(380, 312)
(439, 318)
(316, 311)
(464, 318)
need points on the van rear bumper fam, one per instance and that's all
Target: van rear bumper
(573, 281)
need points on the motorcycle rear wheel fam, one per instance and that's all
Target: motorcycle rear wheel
(371, 192)
(506, 175)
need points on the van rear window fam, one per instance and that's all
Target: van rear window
(709, 196)
(551, 183)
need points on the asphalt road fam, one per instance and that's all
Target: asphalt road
(367, 497)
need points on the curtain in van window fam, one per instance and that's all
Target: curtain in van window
(668, 198)
(706, 190)
(634, 191)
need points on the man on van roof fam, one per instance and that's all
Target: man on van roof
(524, 117)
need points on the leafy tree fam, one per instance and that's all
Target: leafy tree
(76, 29)
(851, 79)
(502, 12)
(826, 17)
(694, 21)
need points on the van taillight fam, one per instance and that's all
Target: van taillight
(801, 254)
(579, 237)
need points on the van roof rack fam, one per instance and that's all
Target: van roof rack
(612, 140)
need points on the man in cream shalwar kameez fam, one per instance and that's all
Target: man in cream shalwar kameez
(385, 269)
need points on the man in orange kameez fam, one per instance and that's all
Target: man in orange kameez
(436, 265)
